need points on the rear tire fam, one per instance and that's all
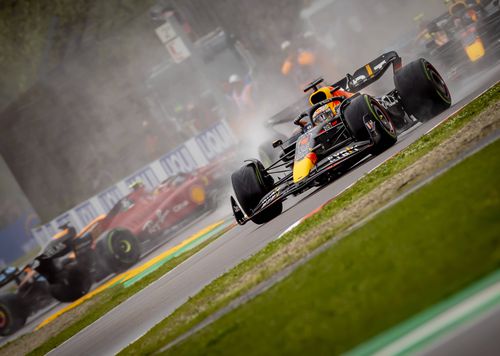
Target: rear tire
(12, 314)
(120, 250)
(364, 106)
(75, 283)
(250, 184)
(423, 92)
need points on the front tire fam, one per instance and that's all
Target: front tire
(365, 107)
(250, 185)
(119, 249)
(12, 314)
(423, 92)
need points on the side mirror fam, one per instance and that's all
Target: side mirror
(277, 143)
(298, 120)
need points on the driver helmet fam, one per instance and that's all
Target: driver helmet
(322, 114)
(234, 78)
(285, 45)
(138, 184)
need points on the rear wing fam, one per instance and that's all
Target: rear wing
(369, 73)
(361, 78)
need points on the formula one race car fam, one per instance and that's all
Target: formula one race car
(340, 128)
(111, 243)
(465, 35)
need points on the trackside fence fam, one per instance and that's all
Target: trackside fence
(192, 154)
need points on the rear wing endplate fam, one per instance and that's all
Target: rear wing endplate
(370, 73)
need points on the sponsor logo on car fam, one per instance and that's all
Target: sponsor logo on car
(342, 154)
(271, 196)
(53, 249)
(180, 206)
(153, 226)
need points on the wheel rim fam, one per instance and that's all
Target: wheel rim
(125, 246)
(3, 319)
(383, 118)
(438, 82)
(122, 248)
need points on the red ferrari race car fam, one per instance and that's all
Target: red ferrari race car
(463, 40)
(146, 217)
(142, 215)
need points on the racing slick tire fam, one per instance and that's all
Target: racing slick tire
(250, 184)
(365, 107)
(119, 249)
(12, 314)
(74, 284)
(423, 92)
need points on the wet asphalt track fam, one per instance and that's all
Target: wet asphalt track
(137, 315)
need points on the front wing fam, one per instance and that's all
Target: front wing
(287, 187)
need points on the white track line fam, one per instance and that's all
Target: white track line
(442, 321)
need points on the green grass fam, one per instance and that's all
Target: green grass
(428, 246)
(249, 273)
(107, 300)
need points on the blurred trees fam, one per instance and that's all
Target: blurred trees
(37, 35)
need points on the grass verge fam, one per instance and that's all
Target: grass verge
(307, 236)
(429, 245)
(93, 309)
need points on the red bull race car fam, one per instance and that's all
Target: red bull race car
(463, 38)
(341, 127)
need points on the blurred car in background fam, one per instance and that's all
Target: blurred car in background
(461, 38)
(28, 293)
(71, 262)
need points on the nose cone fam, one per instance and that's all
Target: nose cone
(301, 168)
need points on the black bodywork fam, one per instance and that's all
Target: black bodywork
(31, 289)
(64, 270)
(58, 255)
(24, 293)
